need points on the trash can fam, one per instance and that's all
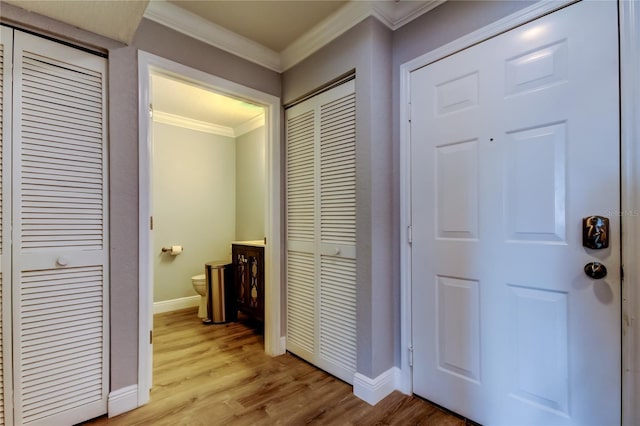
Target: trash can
(221, 299)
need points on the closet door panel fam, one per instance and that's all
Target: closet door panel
(6, 54)
(60, 233)
(338, 349)
(301, 231)
(337, 213)
(321, 231)
(338, 168)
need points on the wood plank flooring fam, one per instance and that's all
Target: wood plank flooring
(219, 375)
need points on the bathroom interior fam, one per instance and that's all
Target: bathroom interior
(208, 194)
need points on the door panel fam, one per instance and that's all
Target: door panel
(60, 239)
(321, 230)
(513, 142)
(301, 229)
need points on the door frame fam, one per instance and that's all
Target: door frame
(151, 64)
(629, 29)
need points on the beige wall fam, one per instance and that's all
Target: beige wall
(250, 185)
(194, 205)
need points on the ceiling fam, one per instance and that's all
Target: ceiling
(273, 33)
(274, 24)
(115, 19)
(185, 100)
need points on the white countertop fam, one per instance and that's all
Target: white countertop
(254, 243)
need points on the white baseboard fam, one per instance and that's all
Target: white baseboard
(122, 400)
(175, 304)
(375, 390)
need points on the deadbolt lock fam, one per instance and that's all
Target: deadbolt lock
(595, 232)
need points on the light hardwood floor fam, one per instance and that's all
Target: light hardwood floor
(219, 375)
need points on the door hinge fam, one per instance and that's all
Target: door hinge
(150, 111)
(151, 337)
(410, 234)
(621, 272)
(410, 356)
(409, 112)
(151, 223)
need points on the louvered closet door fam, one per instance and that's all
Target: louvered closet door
(321, 221)
(301, 231)
(6, 54)
(337, 213)
(60, 342)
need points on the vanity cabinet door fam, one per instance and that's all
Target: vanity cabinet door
(248, 262)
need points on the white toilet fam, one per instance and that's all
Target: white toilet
(200, 285)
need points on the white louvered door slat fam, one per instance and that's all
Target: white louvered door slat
(301, 303)
(301, 224)
(337, 217)
(321, 231)
(60, 311)
(6, 55)
(338, 314)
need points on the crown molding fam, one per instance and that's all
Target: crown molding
(393, 14)
(336, 24)
(398, 13)
(190, 24)
(249, 125)
(203, 126)
(189, 123)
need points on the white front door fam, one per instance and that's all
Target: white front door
(513, 142)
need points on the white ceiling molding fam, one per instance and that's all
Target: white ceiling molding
(394, 14)
(336, 24)
(249, 125)
(398, 13)
(199, 28)
(203, 126)
(189, 123)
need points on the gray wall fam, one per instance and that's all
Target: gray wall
(123, 152)
(440, 26)
(366, 48)
(250, 185)
(162, 41)
(123, 178)
(194, 205)
(369, 48)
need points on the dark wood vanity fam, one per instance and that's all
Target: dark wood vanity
(248, 267)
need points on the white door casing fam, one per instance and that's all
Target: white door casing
(147, 64)
(321, 224)
(60, 234)
(507, 155)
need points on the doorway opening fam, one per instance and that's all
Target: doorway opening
(176, 205)
(208, 195)
(207, 188)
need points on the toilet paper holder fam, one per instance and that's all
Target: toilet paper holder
(173, 250)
